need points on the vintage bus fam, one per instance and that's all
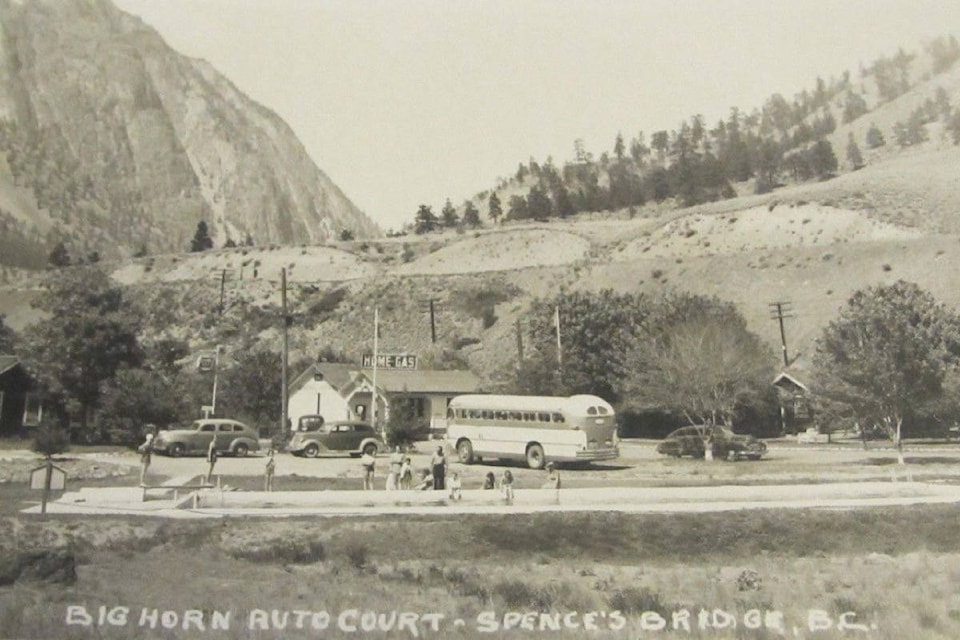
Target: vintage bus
(538, 429)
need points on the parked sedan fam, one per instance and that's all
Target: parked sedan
(336, 437)
(232, 437)
(690, 441)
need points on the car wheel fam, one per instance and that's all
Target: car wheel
(311, 450)
(370, 449)
(241, 449)
(176, 449)
(535, 457)
(465, 451)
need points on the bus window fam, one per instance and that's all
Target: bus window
(516, 415)
(529, 416)
(543, 417)
(591, 411)
(602, 410)
(487, 415)
(501, 415)
(451, 413)
(558, 417)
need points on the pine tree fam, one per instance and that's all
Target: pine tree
(854, 157)
(875, 137)
(59, 256)
(201, 239)
(496, 209)
(448, 215)
(426, 221)
(471, 215)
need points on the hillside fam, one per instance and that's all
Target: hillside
(110, 141)
(811, 243)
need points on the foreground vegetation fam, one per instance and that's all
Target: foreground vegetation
(895, 568)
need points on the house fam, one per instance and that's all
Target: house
(20, 406)
(796, 410)
(339, 391)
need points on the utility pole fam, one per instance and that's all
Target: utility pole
(373, 392)
(223, 282)
(556, 322)
(283, 365)
(779, 311)
(430, 306)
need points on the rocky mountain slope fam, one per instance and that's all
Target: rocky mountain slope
(112, 142)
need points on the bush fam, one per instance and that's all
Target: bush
(283, 551)
(51, 440)
(358, 554)
(633, 600)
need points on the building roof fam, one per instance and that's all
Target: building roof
(789, 382)
(424, 381)
(8, 362)
(337, 374)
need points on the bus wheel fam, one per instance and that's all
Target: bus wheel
(465, 451)
(535, 457)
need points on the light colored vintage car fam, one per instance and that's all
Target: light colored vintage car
(232, 437)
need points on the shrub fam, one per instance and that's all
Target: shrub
(358, 555)
(51, 439)
(283, 551)
(633, 600)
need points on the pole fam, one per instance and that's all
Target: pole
(223, 281)
(781, 311)
(556, 320)
(433, 326)
(519, 343)
(46, 486)
(283, 363)
(373, 392)
(216, 371)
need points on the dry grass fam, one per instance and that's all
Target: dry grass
(894, 567)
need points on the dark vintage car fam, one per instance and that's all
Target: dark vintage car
(232, 437)
(690, 441)
(350, 436)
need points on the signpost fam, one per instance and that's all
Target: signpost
(49, 478)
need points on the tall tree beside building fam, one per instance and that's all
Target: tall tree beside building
(887, 355)
(89, 333)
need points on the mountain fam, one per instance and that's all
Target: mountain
(112, 142)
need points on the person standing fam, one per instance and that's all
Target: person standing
(146, 451)
(439, 465)
(212, 459)
(455, 486)
(506, 486)
(396, 467)
(406, 474)
(268, 472)
(553, 481)
(368, 462)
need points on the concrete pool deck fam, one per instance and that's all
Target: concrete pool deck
(217, 502)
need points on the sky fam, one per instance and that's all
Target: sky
(405, 102)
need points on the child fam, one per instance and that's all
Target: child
(406, 474)
(506, 486)
(454, 484)
(426, 481)
(490, 481)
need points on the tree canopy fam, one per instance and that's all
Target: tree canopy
(89, 334)
(888, 354)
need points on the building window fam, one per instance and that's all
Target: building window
(32, 410)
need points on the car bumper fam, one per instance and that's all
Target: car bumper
(598, 454)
